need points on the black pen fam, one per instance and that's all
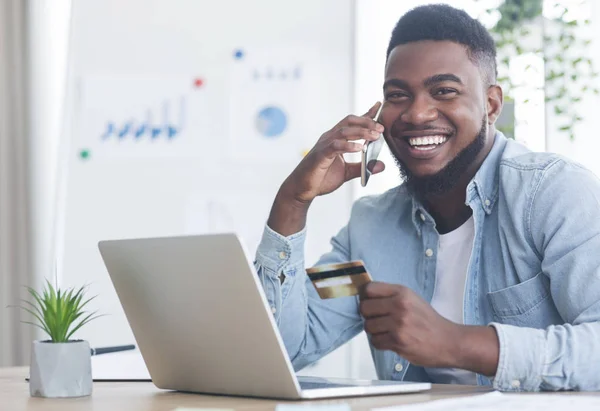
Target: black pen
(106, 350)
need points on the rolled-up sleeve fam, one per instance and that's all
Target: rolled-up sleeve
(309, 326)
(278, 258)
(564, 227)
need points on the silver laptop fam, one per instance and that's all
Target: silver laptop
(203, 324)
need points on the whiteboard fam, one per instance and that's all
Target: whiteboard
(185, 116)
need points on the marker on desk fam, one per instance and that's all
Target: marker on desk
(106, 350)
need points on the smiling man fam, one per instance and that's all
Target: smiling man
(485, 260)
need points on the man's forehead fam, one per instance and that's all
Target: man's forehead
(422, 59)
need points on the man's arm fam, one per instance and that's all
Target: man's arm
(310, 327)
(565, 230)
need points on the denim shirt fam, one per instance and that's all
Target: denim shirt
(534, 272)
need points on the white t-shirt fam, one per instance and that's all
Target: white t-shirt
(454, 253)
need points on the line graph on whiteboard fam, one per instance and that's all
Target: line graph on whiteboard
(153, 125)
(142, 117)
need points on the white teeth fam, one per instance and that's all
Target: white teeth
(427, 141)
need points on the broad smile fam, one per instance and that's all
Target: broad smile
(422, 145)
(426, 143)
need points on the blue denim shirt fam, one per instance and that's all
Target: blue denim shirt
(534, 272)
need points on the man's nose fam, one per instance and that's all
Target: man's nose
(420, 111)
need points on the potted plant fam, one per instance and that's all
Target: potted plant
(60, 366)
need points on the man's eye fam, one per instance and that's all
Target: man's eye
(396, 96)
(445, 91)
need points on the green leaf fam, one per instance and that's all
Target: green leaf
(60, 312)
(82, 323)
(564, 128)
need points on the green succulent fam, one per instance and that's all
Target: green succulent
(60, 313)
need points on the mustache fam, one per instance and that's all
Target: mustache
(407, 128)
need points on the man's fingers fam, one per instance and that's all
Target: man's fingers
(376, 289)
(376, 307)
(342, 146)
(383, 341)
(378, 167)
(352, 171)
(358, 133)
(360, 121)
(378, 325)
(373, 110)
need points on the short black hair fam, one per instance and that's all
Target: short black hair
(443, 22)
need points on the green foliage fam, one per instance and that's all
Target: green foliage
(60, 313)
(514, 12)
(568, 76)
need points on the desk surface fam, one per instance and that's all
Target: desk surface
(134, 396)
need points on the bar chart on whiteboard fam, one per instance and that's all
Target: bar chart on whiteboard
(141, 116)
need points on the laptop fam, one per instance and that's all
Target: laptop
(203, 324)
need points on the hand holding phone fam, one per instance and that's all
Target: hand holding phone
(370, 152)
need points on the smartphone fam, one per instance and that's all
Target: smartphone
(370, 152)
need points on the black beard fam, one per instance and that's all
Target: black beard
(445, 179)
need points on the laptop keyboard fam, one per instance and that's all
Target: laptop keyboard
(310, 385)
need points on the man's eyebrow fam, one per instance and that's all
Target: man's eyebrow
(395, 83)
(439, 78)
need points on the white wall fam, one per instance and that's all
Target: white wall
(117, 195)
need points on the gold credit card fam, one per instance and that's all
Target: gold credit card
(339, 280)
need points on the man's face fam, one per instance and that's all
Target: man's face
(435, 109)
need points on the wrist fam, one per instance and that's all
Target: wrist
(288, 215)
(286, 197)
(475, 348)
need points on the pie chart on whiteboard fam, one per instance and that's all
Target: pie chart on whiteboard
(271, 122)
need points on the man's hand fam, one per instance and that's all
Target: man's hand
(399, 320)
(323, 170)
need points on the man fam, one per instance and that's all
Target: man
(486, 261)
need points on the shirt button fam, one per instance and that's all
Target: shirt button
(429, 252)
(487, 202)
(398, 367)
(422, 216)
(282, 255)
(273, 310)
(515, 383)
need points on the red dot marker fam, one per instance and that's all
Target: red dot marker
(198, 83)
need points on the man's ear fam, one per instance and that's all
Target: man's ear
(495, 100)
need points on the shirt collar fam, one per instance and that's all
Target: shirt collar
(483, 185)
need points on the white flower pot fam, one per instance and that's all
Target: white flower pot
(60, 369)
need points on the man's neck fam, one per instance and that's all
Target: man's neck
(449, 209)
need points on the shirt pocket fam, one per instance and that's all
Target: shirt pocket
(525, 304)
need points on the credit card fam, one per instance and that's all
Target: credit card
(339, 280)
